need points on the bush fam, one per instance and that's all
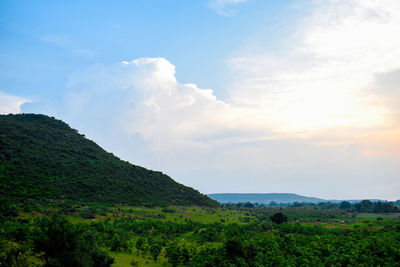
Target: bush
(118, 243)
(279, 218)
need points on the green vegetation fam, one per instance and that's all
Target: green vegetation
(360, 206)
(49, 241)
(42, 159)
(200, 236)
(279, 218)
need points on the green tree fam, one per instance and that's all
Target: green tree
(279, 218)
(155, 250)
(63, 244)
(345, 205)
(118, 244)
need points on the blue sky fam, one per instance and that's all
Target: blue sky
(223, 95)
(43, 41)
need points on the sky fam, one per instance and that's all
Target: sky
(244, 96)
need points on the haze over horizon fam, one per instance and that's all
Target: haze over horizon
(226, 96)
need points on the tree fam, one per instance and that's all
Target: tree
(364, 206)
(7, 209)
(140, 244)
(248, 205)
(345, 205)
(279, 218)
(155, 250)
(273, 204)
(65, 244)
(118, 243)
(233, 248)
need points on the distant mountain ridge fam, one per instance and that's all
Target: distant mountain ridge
(266, 198)
(42, 158)
(262, 198)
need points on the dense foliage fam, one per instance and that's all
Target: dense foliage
(292, 245)
(42, 158)
(49, 241)
(147, 237)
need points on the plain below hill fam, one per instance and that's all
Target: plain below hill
(266, 198)
(42, 158)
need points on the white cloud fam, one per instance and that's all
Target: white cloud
(386, 87)
(321, 81)
(10, 103)
(145, 98)
(224, 7)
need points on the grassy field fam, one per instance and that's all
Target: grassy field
(126, 259)
(223, 215)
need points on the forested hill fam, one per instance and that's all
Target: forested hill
(42, 158)
(263, 198)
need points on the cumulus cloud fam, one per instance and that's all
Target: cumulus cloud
(11, 103)
(225, 7)
(142, 98)
(146, 98)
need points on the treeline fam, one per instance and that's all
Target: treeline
(366, 206)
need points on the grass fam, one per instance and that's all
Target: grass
(122, 259)
(179, 214)
(374, 216)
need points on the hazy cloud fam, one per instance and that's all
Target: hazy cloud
(225, 7)
(318, 83)
(57, 39)
(65, 41)
(386, 87)
(11, 103)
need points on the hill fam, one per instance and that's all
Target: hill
(263, 198)
(42, 158)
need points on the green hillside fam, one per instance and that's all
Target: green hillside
(42, 158)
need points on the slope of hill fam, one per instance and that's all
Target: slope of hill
(262, 198)
(43, 158)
